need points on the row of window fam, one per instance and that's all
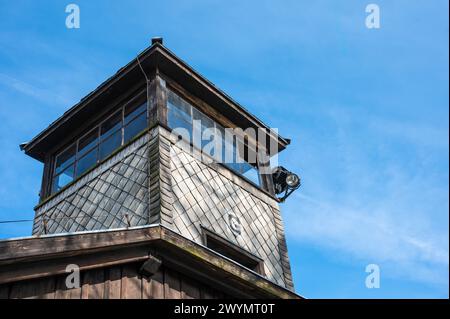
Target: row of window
(99, 143)
(130, 120)
(181, 115)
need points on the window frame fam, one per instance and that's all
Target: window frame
(232, 251)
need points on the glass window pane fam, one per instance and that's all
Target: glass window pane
(179, 113)
(177, 120)
(250, 172)
(175, 101)
(205, 123)
(135, 127)
(205, 120)
(228, 151)
(217, 151)
(231, 159)
(64, 159)
(86, 162)
(108, 146)
(64, 178)
(236, 167)
(133, 110)
(111, 125)
(175, 115)
(220, 135)
(87, 142)
(212, 143)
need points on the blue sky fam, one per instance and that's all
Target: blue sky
(366, 109)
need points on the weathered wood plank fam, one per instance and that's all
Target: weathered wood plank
(114, 282)
(62, 292)
(93, 286)
(46, 288)
(157, 284)
(13, 250)
(189, 288)
(22, 271)
(172, 284)
(146, 289)
(131, 282)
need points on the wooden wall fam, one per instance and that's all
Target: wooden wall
(117, 282)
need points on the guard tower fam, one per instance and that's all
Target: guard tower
(128, 157)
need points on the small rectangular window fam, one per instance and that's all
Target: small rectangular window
(87, 142)
(205, 123)
(134, 110)
(111, 125)
(108, 145)
(65, 159)
(179, 114)
(250, 172)
(232, 251)
(228, 151)
(64, 178)
(133, 128)
(87, 161)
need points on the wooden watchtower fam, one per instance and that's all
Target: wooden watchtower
(127, 198)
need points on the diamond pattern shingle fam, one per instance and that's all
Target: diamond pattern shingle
(204, 197)
(119, 189)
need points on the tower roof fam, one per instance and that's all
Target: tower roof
(155, 57)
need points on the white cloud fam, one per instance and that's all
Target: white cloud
(377, 199)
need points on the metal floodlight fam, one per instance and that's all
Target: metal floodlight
(292, 180)
(285, 182)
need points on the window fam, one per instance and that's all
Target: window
(65, 159)
(87, 154)
(183, 115)
(179, 112)
(232, 251)
(200, 125)
(135, 120)
(64, 168)
(87, 161)
(99, 143)
(88, 142)
(110, 135)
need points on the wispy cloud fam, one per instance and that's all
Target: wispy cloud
(374, 236)
(387, 209)
(33, 91)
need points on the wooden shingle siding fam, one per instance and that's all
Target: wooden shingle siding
(160, 182)
(103, 198)
(118, 282)
(204, 197)
(285, 263)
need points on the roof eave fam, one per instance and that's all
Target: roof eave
(32, 147)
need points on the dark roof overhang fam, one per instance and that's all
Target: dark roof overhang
(154, 57)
